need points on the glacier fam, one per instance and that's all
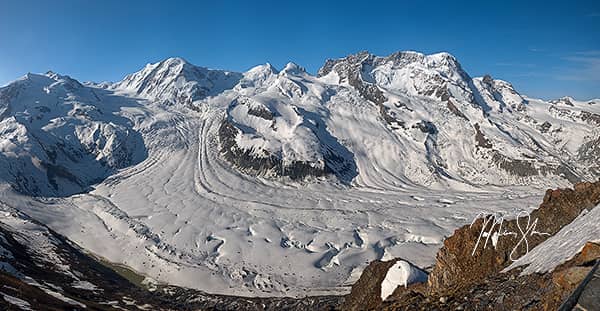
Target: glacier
(279, 182)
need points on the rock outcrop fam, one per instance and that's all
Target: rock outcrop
(468, 271)
(505, 291)
(465, 257)
(366, 292)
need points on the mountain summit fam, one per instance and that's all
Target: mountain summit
(175, 80)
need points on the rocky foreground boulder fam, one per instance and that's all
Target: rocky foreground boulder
(468, 271)
(378, 282)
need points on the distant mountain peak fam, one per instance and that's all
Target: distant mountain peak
(565, 100)
(266, 67)
(176, 59)
(437, 75)
(65, 78)
(437, 61)
(293, 68)
(175, 80)
(256, 77)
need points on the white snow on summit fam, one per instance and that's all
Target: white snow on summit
(175, 80)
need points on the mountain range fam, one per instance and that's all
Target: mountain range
(280, 182)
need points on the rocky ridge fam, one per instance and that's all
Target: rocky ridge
(444, 128)
(468, 274)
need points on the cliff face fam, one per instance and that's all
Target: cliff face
(467, 274)
(465, 258)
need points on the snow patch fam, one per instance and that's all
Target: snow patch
(562, 246)
(402, 273)
(19, 303)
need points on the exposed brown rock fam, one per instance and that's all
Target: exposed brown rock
(455, 110)
(499, 292)
(480, 138)
(461, 281)
(589, 253)
(458, 265)
(503, 291)
(366, 292)
(570, 277)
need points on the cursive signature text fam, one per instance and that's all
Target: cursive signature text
(492, 230)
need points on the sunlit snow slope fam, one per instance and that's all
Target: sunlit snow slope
(276, 182)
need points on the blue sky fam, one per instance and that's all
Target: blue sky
(546, 49)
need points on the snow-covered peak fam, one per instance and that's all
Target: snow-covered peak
(498, 95)
(565, 100)
(261, 71)
(56, 76)
(257, 77)
(174, 80)
(29, 78)
(48, 82)
(293, 69)
(400, 59)
(65, 80)
(176, 61)
(58, 136)
(442, 59)
(51, 74)
(403, 58)
(438, 76)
